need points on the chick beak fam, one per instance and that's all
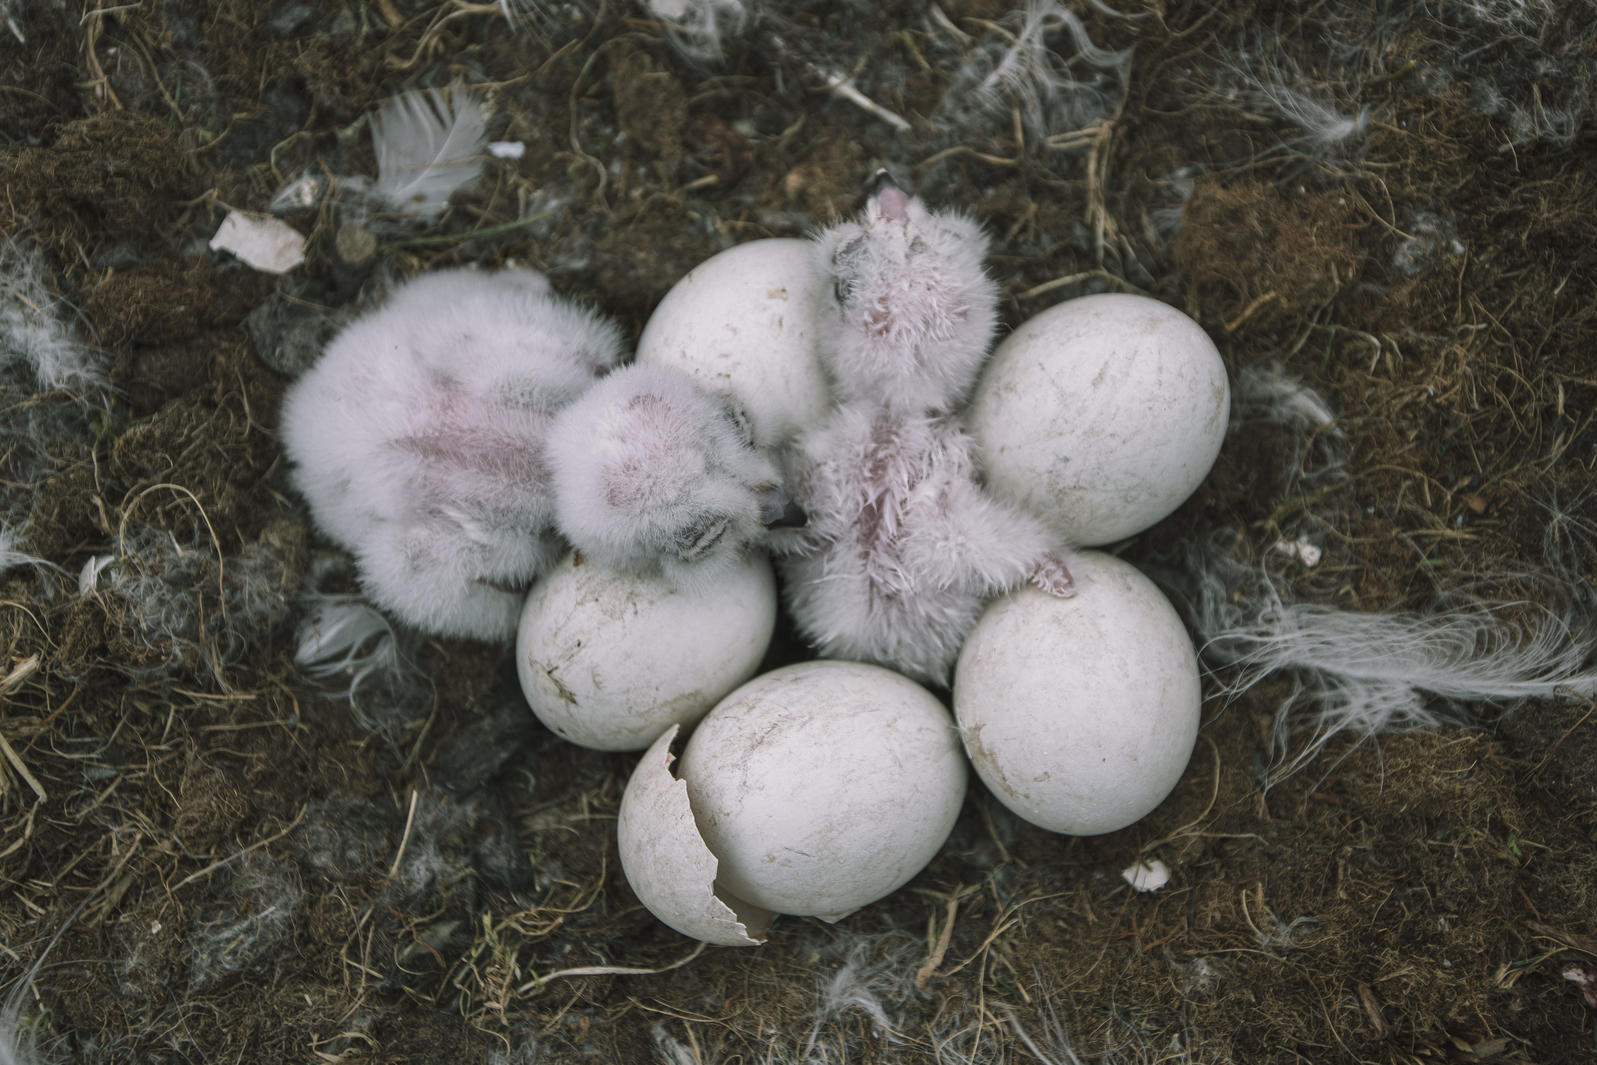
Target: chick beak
(777, 511)
(890, 200)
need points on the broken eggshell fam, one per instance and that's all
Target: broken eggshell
(665, 860)
(610, 659)
(1100, 415)
(268, 244)
(743, 324)
(813, 790)
(1080, 714)
(823, 786)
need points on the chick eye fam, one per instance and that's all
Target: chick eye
(738, 418)
(845, 270)
(694, 540)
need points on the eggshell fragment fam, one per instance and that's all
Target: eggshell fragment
(1101, 415)
(743, 323)
(268, 244)
(610, 659)
(666, 862)
(1080, 714)
(824, 786)
(1144, 875)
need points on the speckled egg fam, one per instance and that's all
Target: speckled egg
(1101, 415)
(610, 659)
(743, 323)
(1080, 714)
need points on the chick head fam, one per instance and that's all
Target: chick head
(914, 310)
(653, 473)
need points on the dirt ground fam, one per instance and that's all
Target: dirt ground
(1395, 203)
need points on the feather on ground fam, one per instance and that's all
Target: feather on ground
(427, 146)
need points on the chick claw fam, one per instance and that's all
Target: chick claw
(1053, 577)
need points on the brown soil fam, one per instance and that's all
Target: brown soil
(246, 870)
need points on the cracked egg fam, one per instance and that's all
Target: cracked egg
(812, 790)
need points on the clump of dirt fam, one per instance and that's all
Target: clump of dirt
(646, 249)
(650, 104)
(43, 61)
(1255, 254)
(109, 177)
(162, 301)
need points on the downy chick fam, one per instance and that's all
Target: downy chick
(418, 438)
(903, 547)
(654, 474)
(914, 310)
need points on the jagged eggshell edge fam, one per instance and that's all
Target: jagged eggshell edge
(666, 861)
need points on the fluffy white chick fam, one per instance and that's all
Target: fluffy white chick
(418, 438)
(914, 309)
(903, 547)
(654, 474)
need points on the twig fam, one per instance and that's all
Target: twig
(1248, 312)
(459, 238)
(22, 770)
(404, 840)
(19, 673)
(94, 24)
(13, 680)
(837, 83)
(1071, 279)
(607, 970)
(840, 86)
(214, 866)
(933, 960)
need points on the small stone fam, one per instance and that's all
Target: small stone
(355, 245)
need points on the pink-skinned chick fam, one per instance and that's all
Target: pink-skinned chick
(913, 309)
(904, 547)
(656, 475)
(418, 439)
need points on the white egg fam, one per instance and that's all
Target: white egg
(823, 786)
(665, 860)
(610, 659)
(1080, 714)
(743, 323)
(1101, 415)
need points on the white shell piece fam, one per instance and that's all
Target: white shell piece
(610, 659)
(666, 862)
(743, 324)
(1101, 415)
(824, 786)
(1080, 714)
(268, 244)
(1146, 875)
